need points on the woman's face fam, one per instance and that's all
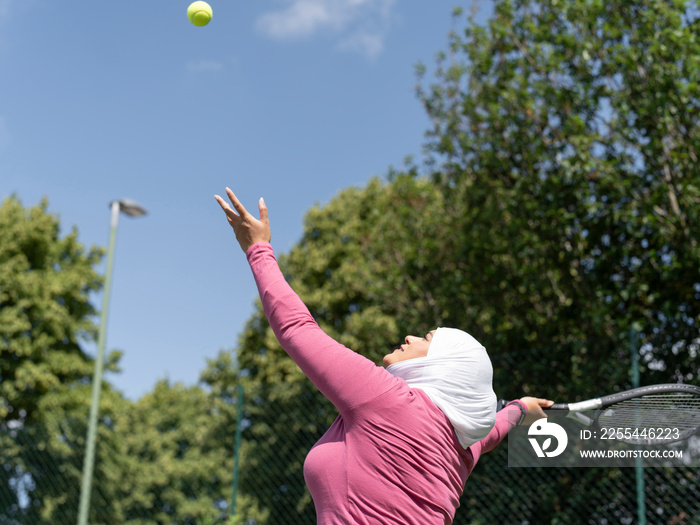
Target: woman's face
(413, 347)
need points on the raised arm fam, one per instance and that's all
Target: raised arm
(346, 378)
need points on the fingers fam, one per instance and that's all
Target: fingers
(536, 403)
(236, 203)
(238, 215)
(230, 214)
(262, 208)
(224, 205)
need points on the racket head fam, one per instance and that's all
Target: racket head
(652, 415)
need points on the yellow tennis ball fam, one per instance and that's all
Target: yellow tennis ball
(199, 13)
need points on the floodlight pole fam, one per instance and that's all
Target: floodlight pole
(134, 210)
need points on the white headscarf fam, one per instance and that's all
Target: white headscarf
(456, 375)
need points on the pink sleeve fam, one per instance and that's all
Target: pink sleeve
(346, 378)
(506, 419)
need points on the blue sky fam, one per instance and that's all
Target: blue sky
(291, 100)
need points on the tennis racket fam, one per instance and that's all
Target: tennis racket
(648, 415)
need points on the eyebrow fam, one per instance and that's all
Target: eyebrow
(431, 333)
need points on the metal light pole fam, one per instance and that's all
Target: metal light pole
(132, 209)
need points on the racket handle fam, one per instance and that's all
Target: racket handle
(558, 406)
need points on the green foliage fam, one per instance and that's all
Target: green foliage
(175, 457)
(45, 281)
(166, 458)
(45, 313)
(564, 137)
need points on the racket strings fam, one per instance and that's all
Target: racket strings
(671, 413)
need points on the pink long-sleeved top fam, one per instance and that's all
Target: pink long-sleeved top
(391, 456)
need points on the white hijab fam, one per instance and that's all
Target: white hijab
(456, 375)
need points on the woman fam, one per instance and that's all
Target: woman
(408, 435)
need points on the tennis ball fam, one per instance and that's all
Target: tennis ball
(199, 13)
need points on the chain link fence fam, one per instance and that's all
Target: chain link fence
(41, 473)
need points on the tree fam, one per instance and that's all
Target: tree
(45, 316)
(563, 138)
(167, 457)
(175, 459)
(45, 312)
(559, 211)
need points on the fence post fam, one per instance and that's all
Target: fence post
(639, 463)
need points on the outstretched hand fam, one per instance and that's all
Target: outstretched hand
(247, 228)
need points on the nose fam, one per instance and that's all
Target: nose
(408, 339)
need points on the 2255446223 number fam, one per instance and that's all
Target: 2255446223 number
(660, 433)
